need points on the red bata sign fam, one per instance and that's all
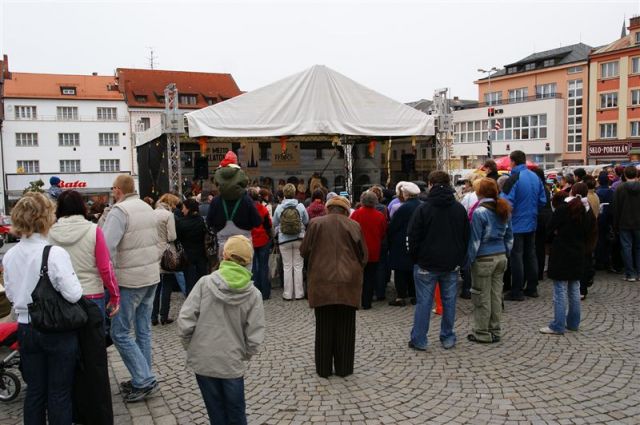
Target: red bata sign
(609, 149)
(71, 185)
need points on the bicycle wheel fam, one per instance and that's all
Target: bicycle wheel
(9, 386)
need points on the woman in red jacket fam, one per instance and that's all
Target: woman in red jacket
(261, 236)
(374, 226)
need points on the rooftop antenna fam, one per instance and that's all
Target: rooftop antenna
(152, 58)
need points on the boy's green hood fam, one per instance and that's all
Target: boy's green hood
(236, 276)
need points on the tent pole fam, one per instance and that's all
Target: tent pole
(388, 162)
(348, 162)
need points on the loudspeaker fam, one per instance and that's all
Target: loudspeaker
(408, 162)
(201, 169)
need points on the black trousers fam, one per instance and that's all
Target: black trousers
(589, 274)
(369, 280)
(162, 298)
(335, 339)
(405, 286)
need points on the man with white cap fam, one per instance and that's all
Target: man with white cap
(399, 259)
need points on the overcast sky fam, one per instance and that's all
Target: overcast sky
(404, 49)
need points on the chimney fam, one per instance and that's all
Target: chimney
(634, 23)
(6, 75)
(455, 98)
(95, 74)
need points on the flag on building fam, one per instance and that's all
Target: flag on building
(498, 126)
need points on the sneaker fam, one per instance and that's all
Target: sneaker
(126, 387)
(448, 344)
(548, 331)
(533, 294)
(398, 302)
(414, 347)
(629, 279)
(139, 394)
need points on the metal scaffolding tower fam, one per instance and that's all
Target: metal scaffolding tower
(441, 111)
(173, 127)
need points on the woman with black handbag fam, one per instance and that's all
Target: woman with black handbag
(166, 236)
(30, 268)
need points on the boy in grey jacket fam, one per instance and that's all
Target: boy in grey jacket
(221, 324)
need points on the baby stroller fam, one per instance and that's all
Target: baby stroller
(9, 381)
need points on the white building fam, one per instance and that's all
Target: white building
(75, 127)
(529, 126)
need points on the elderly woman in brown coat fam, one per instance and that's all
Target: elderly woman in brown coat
(337, 253)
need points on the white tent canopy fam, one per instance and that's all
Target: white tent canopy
(315, 101)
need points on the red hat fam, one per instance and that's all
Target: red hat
(229, 158)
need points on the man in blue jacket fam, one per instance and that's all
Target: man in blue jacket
(525, 193)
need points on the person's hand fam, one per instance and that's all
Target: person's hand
(112, 309)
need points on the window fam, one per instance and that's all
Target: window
(67, 113)
(423, 153)
(513, 128)
(635, 128)
(518, 95)
(545, 91)
(68, 91)
(319, 153)
(69, 165)
(29, 167)
(530, 66)
(609, 70)
(144, 124)
(608, 131)
(210, 100)
(25, 112)
(109, 165)
(549, 62)
(574, 70)
(26, 139)
(574, 116)
(493, 98)
(108, 139)
(188, 99)
(68, 139)
(394, 154)
(638, 38)
(635, 97)
(141, 98)
(264, 151)
(107, 114)
(609, 100)
(512, 70)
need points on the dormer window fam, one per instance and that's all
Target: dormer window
(210, 100)
(188, 99)
(68, 91)
(549, 62)
(141, 98)
(512, 70)
(530, 66)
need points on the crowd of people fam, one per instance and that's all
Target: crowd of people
(496, 237)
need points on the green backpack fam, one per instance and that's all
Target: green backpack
(290, 221)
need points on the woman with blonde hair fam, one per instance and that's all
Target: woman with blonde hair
(166, 235)
(489, 246)
(48, 359)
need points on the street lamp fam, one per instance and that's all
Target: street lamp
(490, 102)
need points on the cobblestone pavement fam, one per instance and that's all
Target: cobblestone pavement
(588, 377)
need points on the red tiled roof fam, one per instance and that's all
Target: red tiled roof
(619, 44)
(151, 83)
(48, 86)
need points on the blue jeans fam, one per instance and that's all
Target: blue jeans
(182, 282)
(425, 287)
(224, 399)
(260, 270)
(630, 241)
(561, 319)
(135, 311)
(48, 366)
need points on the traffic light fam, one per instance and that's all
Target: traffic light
(489, 152)
(491, 112)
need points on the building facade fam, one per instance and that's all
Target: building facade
(75, 127)
(539, 108)
(614, 105)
